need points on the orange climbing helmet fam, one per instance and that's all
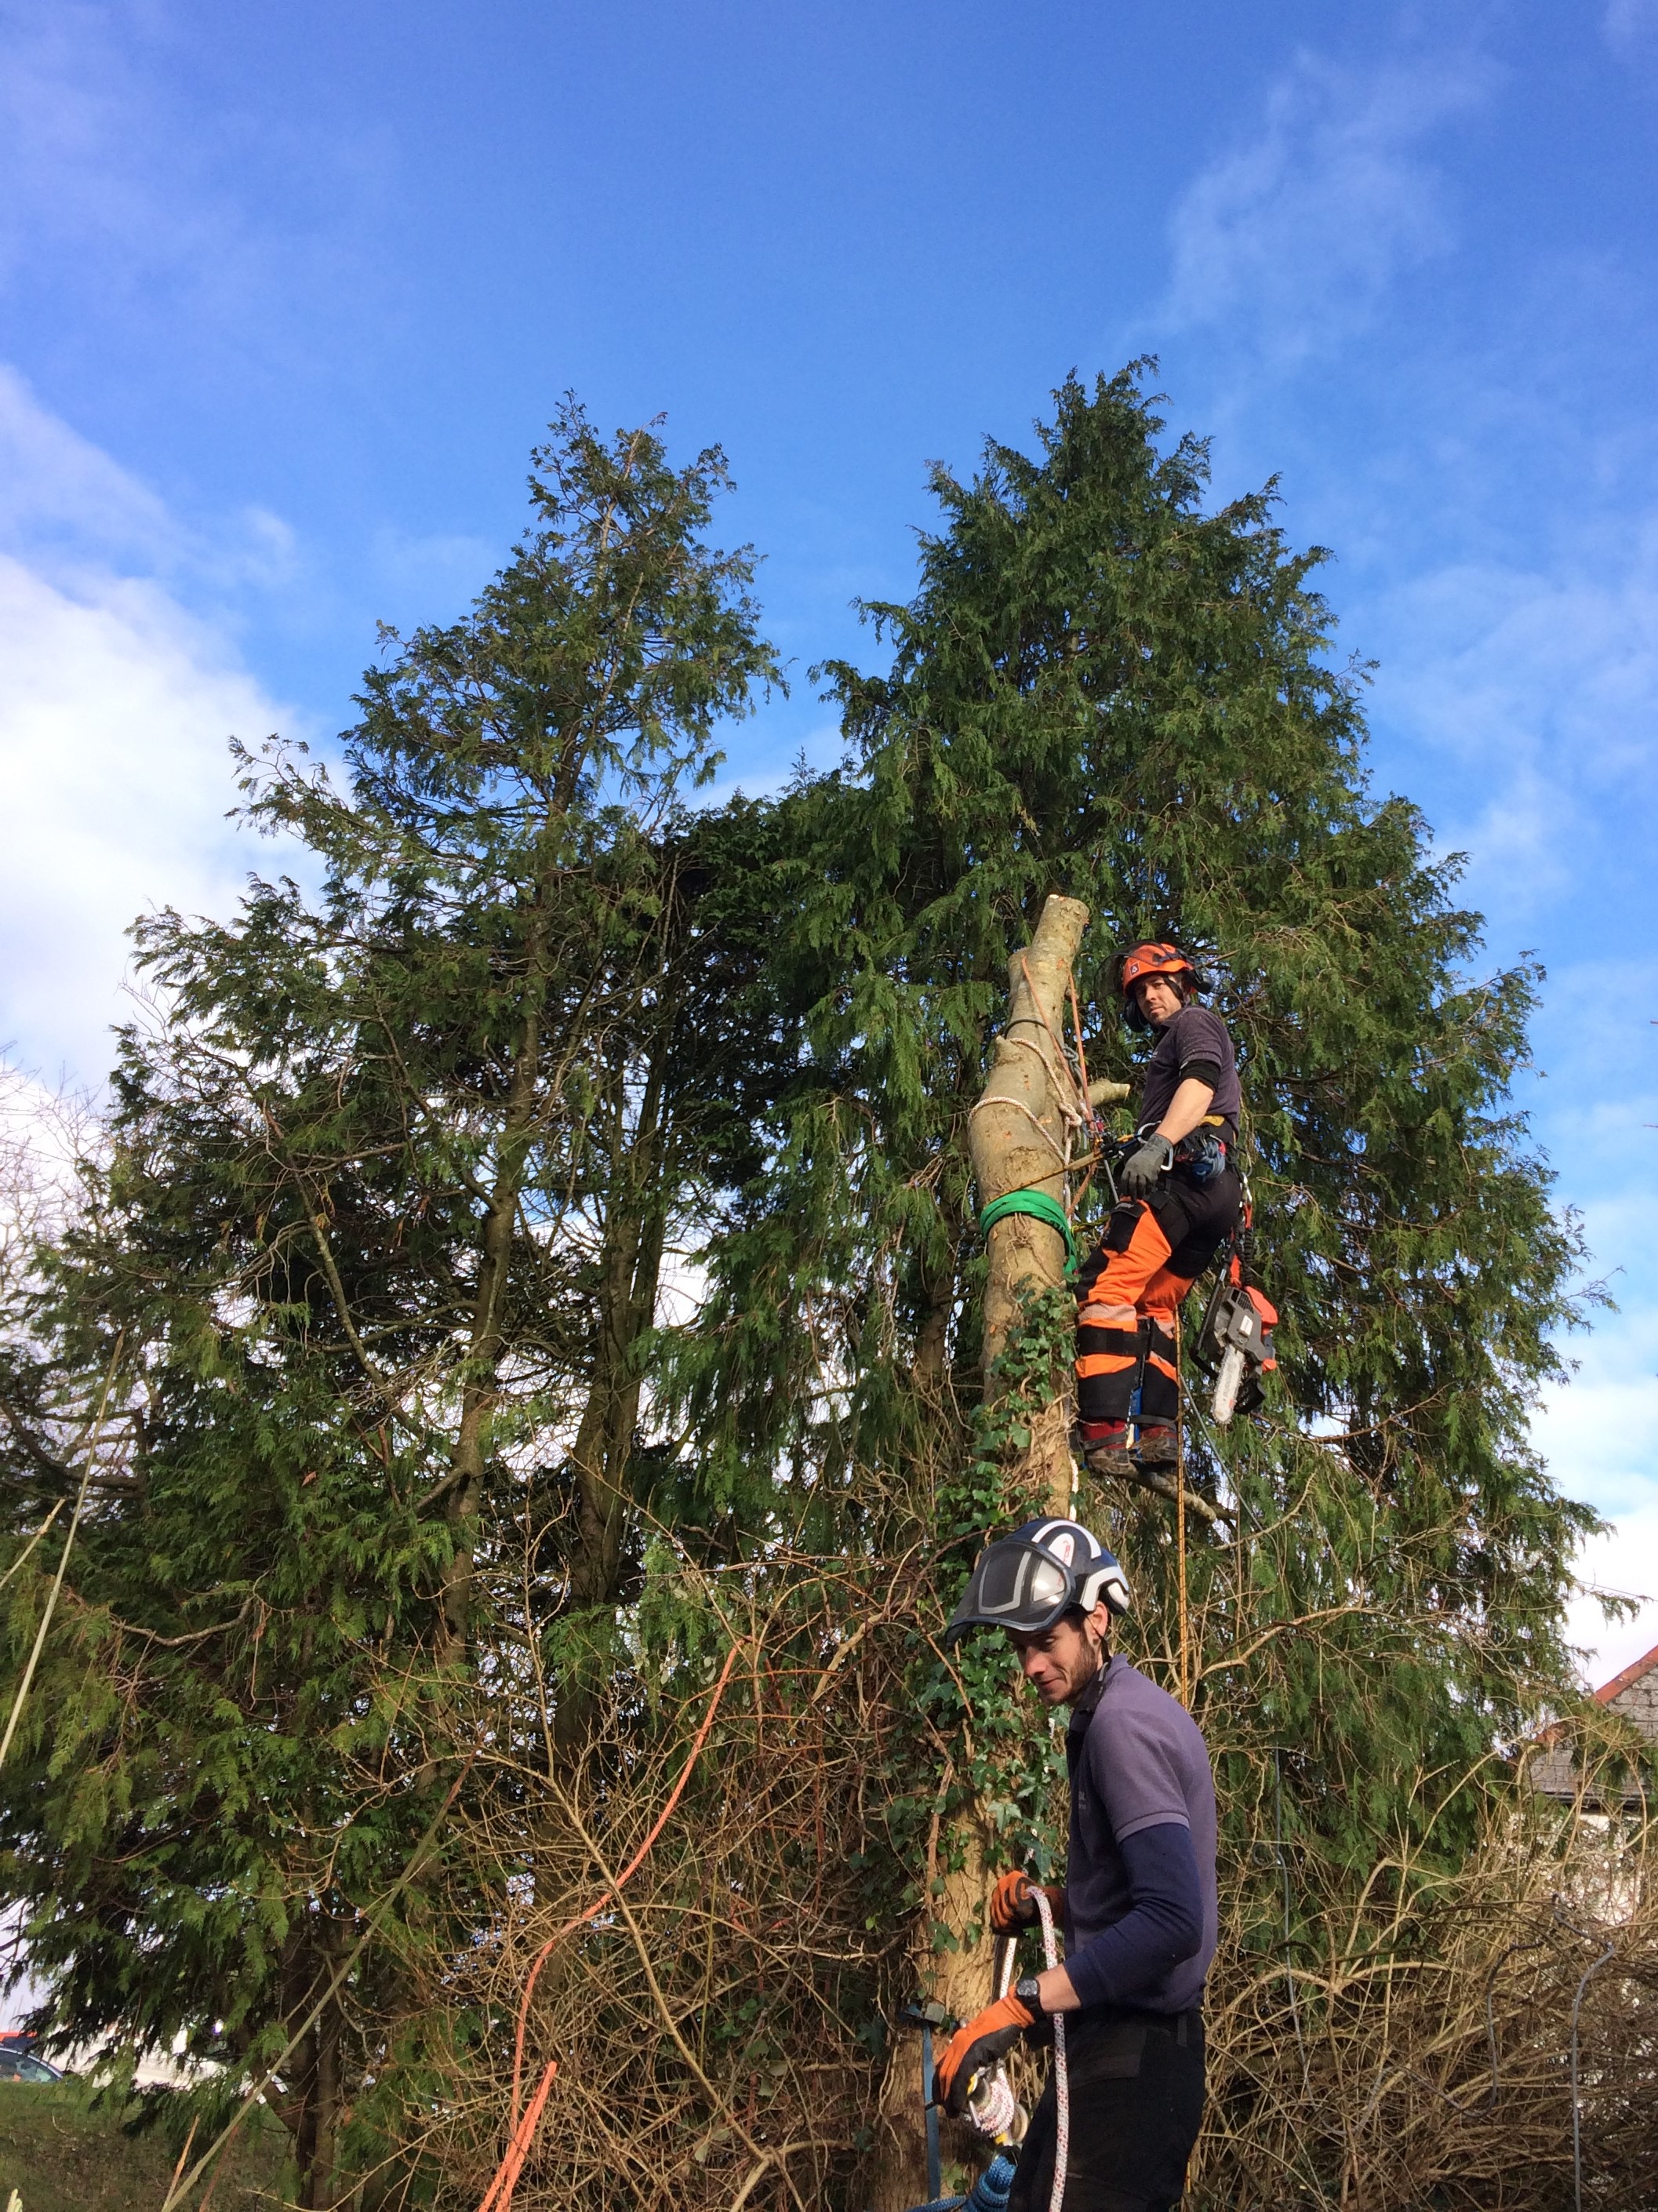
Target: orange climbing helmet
(1152, 959)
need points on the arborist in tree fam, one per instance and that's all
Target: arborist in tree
(1138, 1904)
(1178, 1199)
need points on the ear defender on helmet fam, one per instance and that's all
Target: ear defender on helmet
(1026, 1581)
(1152, 959)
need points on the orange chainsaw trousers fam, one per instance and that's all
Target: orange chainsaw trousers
(1131, 1286)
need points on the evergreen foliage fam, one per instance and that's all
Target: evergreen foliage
(1103, 689)
(374, 1258)
(413, 1461)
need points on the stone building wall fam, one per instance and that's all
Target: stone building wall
(1639, 1703)
(1633, 1697)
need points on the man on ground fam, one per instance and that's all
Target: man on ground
(1138, 1904)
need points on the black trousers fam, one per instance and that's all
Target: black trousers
(1136, 2106)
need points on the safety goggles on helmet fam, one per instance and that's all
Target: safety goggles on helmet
(1026, 1581)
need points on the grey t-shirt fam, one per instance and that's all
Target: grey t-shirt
(1137, 1760)
(1194, 1034)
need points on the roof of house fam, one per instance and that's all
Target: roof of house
(1627, 1680)
(1549, 1736)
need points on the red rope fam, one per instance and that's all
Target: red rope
(499, 2197)
(570, 1926)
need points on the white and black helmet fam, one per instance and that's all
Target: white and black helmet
(1024, 1582)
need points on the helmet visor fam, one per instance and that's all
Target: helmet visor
(1015, 1585)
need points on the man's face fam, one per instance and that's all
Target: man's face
(1061, 1662)
(1158, 999)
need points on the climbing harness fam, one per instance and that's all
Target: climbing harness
(1234, 1343)
(992, 2110)
(1203, 1154)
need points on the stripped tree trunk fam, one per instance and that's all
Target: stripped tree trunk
(1018, 1141)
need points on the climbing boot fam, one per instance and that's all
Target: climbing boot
(1157, 1446)
(1103, 1447)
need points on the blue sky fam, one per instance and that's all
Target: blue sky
(286, 295)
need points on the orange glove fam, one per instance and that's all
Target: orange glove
(990, 2035)
(1012, 1905)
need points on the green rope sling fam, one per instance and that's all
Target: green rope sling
(1038, 1203)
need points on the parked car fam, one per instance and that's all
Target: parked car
(20, 2062)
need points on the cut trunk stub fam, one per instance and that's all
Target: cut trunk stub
(1018, 1131)
(1017, 1138)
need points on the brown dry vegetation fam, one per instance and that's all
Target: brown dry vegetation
(715, 2025)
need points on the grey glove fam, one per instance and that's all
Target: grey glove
(1139, 1177)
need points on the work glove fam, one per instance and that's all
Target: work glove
(1013, 1903)
(988, 2036)
(1142, 1167)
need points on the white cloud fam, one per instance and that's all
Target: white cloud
(74, 510)
(1499, 655)
(1293, 240)
(1600, 1431)
(1624, 1564)
(115, 711)
(1531, 697)
(229, 243)
(115, 706)
(56, 486)
(1598, 1434)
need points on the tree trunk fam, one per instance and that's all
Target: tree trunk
(478, 1394)
(309, 2105)
(629, 1273)
(1018, 1141)
(325, 2103)
(930, 1364)
(958, 1980)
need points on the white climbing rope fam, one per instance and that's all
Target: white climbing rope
(991, 2104)
(1061, 2077)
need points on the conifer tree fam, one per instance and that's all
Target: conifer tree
(1105, 691)
(372, 1266)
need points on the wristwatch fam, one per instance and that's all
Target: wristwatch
(1028, 1991)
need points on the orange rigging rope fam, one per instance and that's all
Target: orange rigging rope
(499, 2196)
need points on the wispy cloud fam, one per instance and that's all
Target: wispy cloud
(1537, 695)
(115, 706)
(1292, 241)
(72, 509)
(57, 488)
(445, 566)
(182, 217)
(1630, 26)
(1466, 443)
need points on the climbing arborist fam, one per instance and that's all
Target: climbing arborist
(1139, 1902)
(1178, 1201)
